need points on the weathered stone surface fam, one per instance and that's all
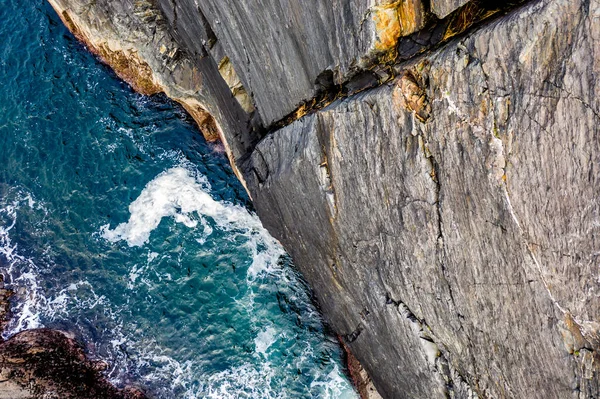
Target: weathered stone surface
(285, 51)
(449, 222)
(46, 363)
(442, 8)
(241, 69)
(360, 378)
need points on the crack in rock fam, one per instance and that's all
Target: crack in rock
(456, 386)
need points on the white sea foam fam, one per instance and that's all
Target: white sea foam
(264, 340)
(152, 256)
(174, 193)
(334, 386)
(23, 274)
(245, 381)
(26, 315)
(180, 194)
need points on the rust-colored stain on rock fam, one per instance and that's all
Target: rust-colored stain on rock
(409, 93)
(205, 121)
(396, 19)
(127, 65)
(463, 18)
(387, 26)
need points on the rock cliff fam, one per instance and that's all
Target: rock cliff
(432, 167)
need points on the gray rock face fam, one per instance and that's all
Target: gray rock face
(449, 222)
(245, 68)
(286, 51)
(442, 8)
(447, 219)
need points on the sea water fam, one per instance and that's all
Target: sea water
(121, 225)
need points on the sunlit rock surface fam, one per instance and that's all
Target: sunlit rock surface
(449, 221)
(435, 183)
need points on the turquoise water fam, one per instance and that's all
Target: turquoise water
(119, 223)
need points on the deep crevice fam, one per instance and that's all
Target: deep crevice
(442, 365)
(351, 337)
(441, 243)
(211, 37)
(386, 67)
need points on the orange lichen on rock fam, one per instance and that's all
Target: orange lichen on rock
(387, 26)
(463, 18)
(129, 67)
(411, 15)
(396, 19)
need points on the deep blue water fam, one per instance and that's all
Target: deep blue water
(119, 223)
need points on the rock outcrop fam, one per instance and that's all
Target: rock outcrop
(48, 364)
(133, 37)
(454, 213)
(246, 70)
(432, 167)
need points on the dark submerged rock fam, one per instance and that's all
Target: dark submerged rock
(48, 364)
(45, 363)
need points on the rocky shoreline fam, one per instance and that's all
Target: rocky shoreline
(50, 364)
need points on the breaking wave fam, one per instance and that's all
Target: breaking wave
(122, 226)
(183, 195)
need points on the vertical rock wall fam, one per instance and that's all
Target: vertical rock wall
(449, 222)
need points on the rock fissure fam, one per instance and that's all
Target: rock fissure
(440, 247)
(386, 68)
(531, 252)
(534, 120)
(503, 163)
(510, 208)
(577, 98)
(456, 386)
(352, 336)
